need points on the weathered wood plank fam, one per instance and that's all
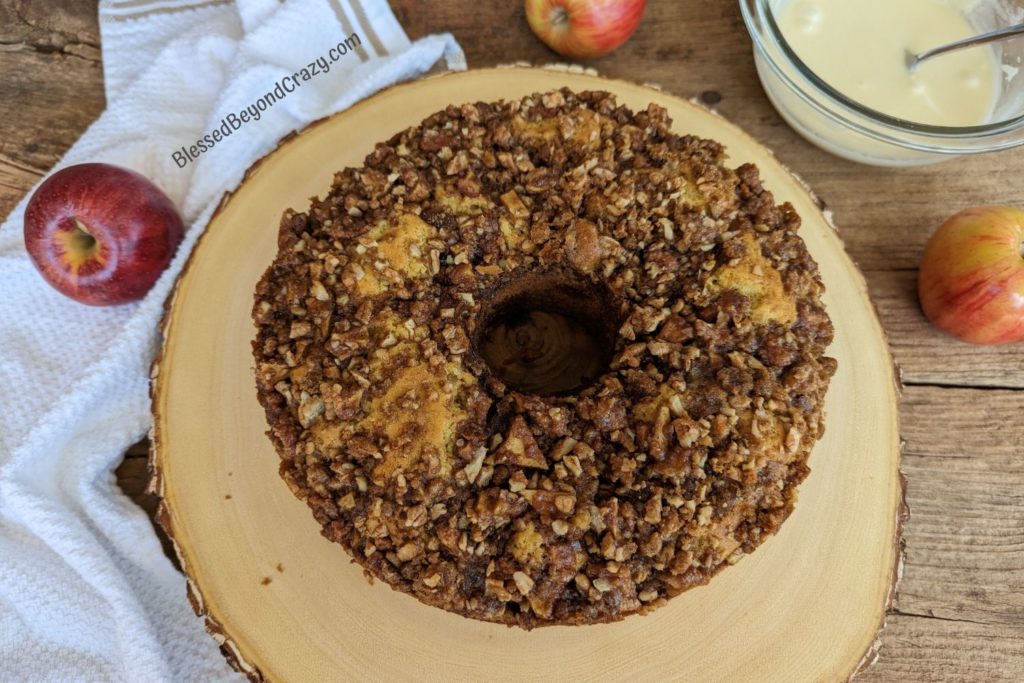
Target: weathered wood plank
(15, 182)
(928, 356)
(133, 477)
(965, 544)
(48, 99)
(51, 87)
(960, 609)
(50, 25)
(965, 541)
(979, 426)
(929, 650)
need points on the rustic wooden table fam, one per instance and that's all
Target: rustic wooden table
(960, 611)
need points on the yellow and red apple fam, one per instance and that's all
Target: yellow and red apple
(971, 281)
(101, 234)
(584, 29)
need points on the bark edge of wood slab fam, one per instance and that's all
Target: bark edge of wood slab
(285, 604)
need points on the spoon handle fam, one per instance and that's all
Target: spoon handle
(990, 37)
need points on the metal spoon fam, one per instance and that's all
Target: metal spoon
(992, 36)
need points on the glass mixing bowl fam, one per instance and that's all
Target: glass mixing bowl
(843, 127)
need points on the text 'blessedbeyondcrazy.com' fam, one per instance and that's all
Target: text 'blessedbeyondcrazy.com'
(284, 87)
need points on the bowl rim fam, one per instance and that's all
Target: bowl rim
(759, 13)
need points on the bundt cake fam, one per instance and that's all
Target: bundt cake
(544, 361)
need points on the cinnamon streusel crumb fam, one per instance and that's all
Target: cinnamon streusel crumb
(681, 451)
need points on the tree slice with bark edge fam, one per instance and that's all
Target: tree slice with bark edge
(285, 604)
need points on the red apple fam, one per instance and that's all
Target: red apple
(971, 281)
(101, 234)
(583, 29)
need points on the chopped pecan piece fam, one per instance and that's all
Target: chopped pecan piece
(519, 447)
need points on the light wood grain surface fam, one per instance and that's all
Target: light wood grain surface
(230, 516)
(959, 615)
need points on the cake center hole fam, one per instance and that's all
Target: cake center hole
(548, 336)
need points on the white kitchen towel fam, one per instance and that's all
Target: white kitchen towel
(86, 593)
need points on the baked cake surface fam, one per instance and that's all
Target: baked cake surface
(434, 401)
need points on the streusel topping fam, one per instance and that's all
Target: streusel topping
(414, 325)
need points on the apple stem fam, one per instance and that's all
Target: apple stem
(83, 239)
(559, 19)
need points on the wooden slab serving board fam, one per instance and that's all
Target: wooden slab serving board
(290, 606)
